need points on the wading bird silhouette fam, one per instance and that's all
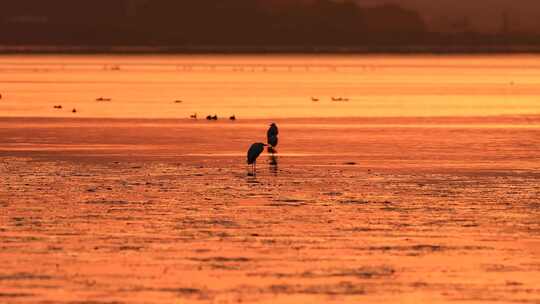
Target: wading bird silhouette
(272, 137)
(254, 151)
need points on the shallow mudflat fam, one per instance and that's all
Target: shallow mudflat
(391, 211)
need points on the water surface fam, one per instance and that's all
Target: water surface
(269, 86)
(423, 187)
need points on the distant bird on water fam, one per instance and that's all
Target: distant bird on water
(193, 116)
(233, 117)
(74, 110)
(254, 151)
(272, 137)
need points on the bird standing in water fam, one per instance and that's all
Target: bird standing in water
(254, 151)
(272, 137)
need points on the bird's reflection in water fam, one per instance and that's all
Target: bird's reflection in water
(252, 179)
(251, 174)
(273, 164)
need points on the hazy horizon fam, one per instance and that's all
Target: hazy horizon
(482, 16)
(270, 25)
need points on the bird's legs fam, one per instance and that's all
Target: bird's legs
(251, 170)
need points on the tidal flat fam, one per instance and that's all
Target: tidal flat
(371, 210)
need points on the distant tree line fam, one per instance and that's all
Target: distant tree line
(208, 22)
(219, 23)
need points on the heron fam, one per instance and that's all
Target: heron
(254, 151)
(272, 137)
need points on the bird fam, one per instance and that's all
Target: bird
(193, 116)
(254, 151)
(209, 117)
(340, 99)
(74, 110)
(214, 117)
(178, 101)
(233, 117)
(272, 137)
(314, 99)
